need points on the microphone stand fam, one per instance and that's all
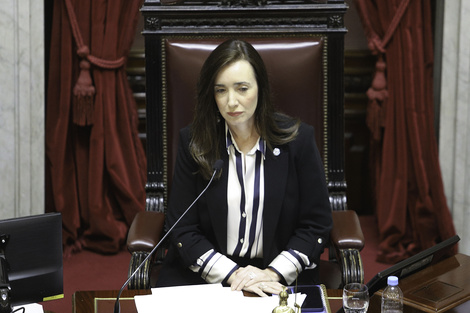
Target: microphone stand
(117, 306)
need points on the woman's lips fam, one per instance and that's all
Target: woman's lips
(234, 114)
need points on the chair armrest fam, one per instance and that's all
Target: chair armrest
(145, 231)
(346, 232)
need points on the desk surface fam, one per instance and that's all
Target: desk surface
(440, 287)
(103, 300)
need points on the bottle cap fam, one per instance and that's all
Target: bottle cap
(392, 280)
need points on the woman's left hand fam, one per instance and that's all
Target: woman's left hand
(246, 277)
(262, 289)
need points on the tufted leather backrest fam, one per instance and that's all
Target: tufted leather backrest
(296, 69)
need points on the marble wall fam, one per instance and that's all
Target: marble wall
(454, 141)
(21, 108)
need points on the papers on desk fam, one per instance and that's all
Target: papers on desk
(30, 308)
(207, 298)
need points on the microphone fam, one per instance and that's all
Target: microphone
(217, 167)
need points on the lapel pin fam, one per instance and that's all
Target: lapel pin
(276, 151)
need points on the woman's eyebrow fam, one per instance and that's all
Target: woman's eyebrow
(235, 84)
(242, 83)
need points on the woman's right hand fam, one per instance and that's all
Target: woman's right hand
(255, 280)
(262, 289)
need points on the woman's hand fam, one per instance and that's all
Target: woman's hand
(255, 280)
(264, 288)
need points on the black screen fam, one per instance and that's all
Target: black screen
(33, 254)
(313, 302)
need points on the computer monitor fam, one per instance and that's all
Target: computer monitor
(413, 264)
(31, 251)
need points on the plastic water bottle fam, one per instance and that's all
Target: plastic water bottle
(392, 297)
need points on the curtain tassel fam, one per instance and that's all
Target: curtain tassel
(83, 92)
(377, 94)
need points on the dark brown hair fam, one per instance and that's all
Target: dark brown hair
(208, 127)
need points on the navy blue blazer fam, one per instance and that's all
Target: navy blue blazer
(296, 215)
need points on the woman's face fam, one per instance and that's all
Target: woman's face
(236, 94)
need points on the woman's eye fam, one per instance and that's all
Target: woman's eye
(243, 89)
(219, 90)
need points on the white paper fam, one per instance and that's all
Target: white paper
(30, 308)
(207, 298)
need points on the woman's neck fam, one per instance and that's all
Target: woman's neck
(245, 137)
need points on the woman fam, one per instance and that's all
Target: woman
(267, 217)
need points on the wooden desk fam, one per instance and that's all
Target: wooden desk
(374, 306)
(442, 287)
(454, 269)
(102, 301)
(335, 298)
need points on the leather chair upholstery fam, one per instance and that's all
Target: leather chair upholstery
(297, 67)
(295, 71)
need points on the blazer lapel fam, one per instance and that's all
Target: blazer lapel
(217, 206)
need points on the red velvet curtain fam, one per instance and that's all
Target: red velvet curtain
(95, 162)
(411, 208)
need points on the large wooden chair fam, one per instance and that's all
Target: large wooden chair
(302, 46)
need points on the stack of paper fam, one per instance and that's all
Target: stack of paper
(207, 298)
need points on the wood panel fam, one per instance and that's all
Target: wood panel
(358, 71)
(136, 76)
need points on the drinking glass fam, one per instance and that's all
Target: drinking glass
(355, 298)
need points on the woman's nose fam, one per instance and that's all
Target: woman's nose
(231, 98)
